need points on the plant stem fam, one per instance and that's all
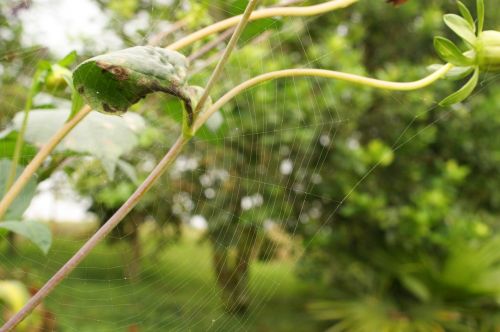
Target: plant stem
(258, 14)
(226, 34)
(66, 269)
(39, 159)
(19, 142)
(356, 79)
(243, 20)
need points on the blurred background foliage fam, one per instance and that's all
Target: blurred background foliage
(381, 206)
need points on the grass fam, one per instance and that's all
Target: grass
(176, 291)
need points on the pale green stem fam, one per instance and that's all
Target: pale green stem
(19, 142)
(259, 14)
(355, 79)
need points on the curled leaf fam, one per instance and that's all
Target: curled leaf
(464, 91)
(449, 52)
(112, 82)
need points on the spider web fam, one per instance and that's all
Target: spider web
(177, 289)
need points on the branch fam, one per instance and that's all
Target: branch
(263, 13)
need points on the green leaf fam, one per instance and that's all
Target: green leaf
(68, 60)
(417, 287)
(461, 27)
(43, 68)
(77, 103)
(256, 28)
(112, 82)
(8, 140)
(36, 232)
(106, 138)
(467, 15)
(23, 200)
(480, 15)
(464, 91)
(449, 52)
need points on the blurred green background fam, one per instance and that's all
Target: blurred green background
(307, 204)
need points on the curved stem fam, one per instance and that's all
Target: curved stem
(258, 14)
(39, 159)
(356, 79)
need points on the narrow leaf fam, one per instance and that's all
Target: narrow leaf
(461, 27)
(68, 60)
(77, 103)
(480, 15)
(449, 52)
(466, 14)
(36, 232)
(464, 91)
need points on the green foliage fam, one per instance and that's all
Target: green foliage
(8, 140)
(463, 92)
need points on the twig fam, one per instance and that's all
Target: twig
(158, 38)
(210, 45)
